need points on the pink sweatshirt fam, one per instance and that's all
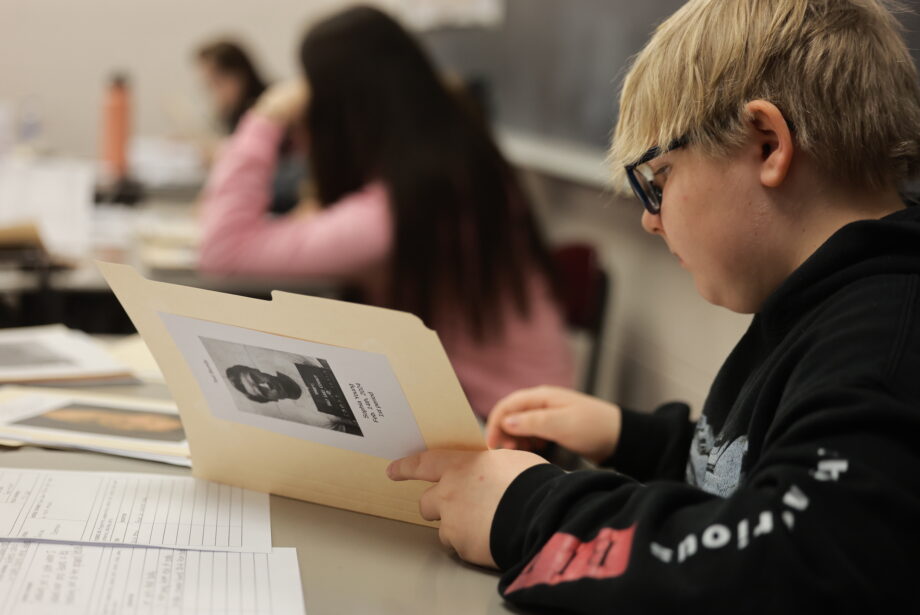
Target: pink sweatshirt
(352, 240)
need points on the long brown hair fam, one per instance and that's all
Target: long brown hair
(464, 232)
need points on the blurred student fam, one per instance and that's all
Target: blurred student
(234, 84)
(766, 140)
(415, 206)
(231, 79)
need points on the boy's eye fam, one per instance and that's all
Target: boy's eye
(652, 180)
(661, 175)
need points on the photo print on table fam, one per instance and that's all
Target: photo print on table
(283, 385)
(108, 421)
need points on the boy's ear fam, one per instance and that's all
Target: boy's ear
(772, 134)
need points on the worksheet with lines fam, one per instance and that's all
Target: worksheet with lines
(132, 509)
(57, 579)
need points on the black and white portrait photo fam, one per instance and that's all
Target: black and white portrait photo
(327, 394)
(282, 385)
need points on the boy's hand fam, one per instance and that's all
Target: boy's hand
(284, 102)
(581, 423)
(468, 487)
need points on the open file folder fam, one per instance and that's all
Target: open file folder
(300, 396)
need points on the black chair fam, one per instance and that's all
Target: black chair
(585, 291)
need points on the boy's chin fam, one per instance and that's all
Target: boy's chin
(730, 299)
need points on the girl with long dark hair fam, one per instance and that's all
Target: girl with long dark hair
(417, 206)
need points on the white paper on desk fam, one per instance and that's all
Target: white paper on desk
(174, 460)
(50, 579)
(111, 508)
(54, 353)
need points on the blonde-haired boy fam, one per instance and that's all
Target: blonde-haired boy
(767, 140)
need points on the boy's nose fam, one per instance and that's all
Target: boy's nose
(651, 223)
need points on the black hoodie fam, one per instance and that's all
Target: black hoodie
(798, 491)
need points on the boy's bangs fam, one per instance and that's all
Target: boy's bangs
(837, 69)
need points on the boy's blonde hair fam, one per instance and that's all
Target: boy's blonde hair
(837, 69)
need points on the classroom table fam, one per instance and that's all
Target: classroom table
(164, 217)
(349, 563)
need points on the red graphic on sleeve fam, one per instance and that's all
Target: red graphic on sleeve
(565, 558)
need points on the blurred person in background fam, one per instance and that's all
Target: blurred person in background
(234, 84)
(231, 79)
(415, 205)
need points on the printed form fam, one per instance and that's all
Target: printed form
(151, 510)
(55, 579)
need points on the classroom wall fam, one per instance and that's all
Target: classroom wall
(56, 56)
(553, 65)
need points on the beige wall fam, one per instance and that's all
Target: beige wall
(56, 55)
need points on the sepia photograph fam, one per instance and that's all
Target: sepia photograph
(107, 421)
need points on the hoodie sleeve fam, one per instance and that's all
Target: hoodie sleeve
(825, 520)
(811, 529)
(654, 446)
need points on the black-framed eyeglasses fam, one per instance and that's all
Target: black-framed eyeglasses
(642, 176)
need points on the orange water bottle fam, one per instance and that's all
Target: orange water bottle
(116, 128)
(117, 186)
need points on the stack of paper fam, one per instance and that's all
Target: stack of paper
(128, 427)
(55, 354)
(55, 197)
(168, 240)
(160, 162)
(94, 542)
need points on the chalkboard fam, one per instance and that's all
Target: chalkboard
(554, 67)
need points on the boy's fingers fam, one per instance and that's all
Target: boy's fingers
(525, 399)
(445, 540)
(519, 401)
(427, 466)
(494, 433)
(495, 437)
(520, 444)
(429, 506)
(540, 423)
